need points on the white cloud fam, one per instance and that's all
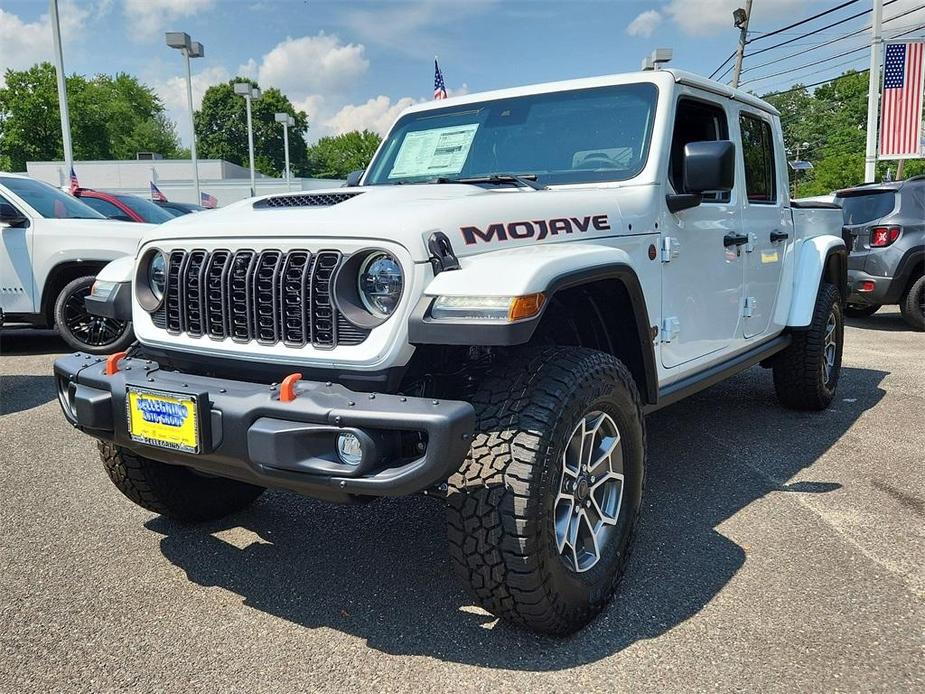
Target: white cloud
(22, 44)
(644, 24)
(377, 115)
(312, 64)
(172, 93)
(702, 17)
(151, 16)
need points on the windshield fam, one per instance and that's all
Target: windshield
(861, 209)
(579, 136)
(147, 209)
(48, 201)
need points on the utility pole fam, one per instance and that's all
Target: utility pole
(740, 18)
(62, 87)
(873, 95)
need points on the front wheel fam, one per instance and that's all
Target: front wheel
(542, 513)
(83, 331)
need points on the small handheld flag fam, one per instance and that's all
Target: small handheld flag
(901, 104)
(439, 84)
(210, 202)
(156, 194)
(75, 186)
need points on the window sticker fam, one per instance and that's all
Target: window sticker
(434, 152)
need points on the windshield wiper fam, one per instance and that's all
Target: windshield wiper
(526, 180)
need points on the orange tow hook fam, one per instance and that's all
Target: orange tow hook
(112, 363)
(287, 387)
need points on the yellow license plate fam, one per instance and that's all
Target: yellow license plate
(163, 419)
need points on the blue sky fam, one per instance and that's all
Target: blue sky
(353, 64)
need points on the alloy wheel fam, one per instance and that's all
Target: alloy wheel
(830, 348)
(95, 331)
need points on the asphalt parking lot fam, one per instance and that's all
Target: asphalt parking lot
(777, 551)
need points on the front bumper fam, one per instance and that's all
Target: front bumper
(248, 433)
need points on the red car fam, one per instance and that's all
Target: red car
(128, 208)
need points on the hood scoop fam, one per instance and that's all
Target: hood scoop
(305, 200)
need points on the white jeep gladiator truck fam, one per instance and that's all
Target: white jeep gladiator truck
(52, 247)
(485, 315)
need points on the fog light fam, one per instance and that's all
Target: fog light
(349, 449)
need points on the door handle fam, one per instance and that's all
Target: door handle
(735, 240)
(779, 236)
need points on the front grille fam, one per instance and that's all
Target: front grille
(304, 200)
(266, 297)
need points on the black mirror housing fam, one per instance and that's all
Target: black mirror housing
(709, 166)
(10, 215)
(354, 177)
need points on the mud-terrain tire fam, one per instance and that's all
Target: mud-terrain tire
(860, 310)
(504, 501)
(806, 373)
(172, 490)
(83, 331)
(912, 305)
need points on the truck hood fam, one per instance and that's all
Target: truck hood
(409, 214)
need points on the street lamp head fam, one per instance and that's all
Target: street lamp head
(291, 121)
(243, 88)
(196, 50)
(282, 118)
(739, 18)
(177, 39)
(255, 93)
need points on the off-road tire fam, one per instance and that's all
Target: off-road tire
(911, 305)
(798, 371)
(83, 284)
(172, 490)
(500, 503)
(860, 310)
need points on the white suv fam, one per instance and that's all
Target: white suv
(484, 316)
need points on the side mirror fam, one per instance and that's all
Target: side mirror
(354, 177)
(10, 216)
(709, 167)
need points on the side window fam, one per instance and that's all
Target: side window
(695, 121)
(105, 207)
(758, 153)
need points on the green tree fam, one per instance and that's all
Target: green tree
(112, 117)
(221, 129)
(336, 156)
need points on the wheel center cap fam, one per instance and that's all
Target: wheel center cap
(582, 488)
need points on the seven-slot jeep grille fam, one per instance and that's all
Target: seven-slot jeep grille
(266, 296)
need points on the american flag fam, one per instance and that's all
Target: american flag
(439, 84)
(208, 201)
(156, 194)
(901, 105)
(75, 186)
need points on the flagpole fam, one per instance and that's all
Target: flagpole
(873, 95)
(62, 86)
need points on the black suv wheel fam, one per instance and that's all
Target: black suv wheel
(82, 330)
(913, 304)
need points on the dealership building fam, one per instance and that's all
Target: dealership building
(174, 178)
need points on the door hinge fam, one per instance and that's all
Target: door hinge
(750, 244)
(671, 328)
(671, 248)
(750, 304)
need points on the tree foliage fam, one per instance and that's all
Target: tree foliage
(221, 129)
(833, 121)
(336, 156)
(112, 117)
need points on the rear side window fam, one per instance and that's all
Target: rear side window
(758, 153)
(105, 207)
(869, 207)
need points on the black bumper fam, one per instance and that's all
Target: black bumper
(249, 434)
(117, 305)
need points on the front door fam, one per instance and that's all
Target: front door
(765, 219)
(702, 277)
(15, 268)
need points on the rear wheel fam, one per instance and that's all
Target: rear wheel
(172, 490)
(860, 310)
(913, 304)
(542, 513)
(83, 331)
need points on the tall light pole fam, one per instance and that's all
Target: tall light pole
(249, 92)
(740, 18)
(873, 95)
(190, 49)
(62, 87)
(287, 121)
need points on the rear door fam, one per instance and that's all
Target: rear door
(766, 219)
(16, 290)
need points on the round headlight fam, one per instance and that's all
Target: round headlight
(380, 284)
(157, 275)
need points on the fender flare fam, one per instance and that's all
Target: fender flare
(422, 330)
(820, 257)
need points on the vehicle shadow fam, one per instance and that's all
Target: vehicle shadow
(380, 572)
(31, 341)
(18, 393)
(890, 322)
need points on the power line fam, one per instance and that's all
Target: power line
(814, 84)
(803, 21)
(731, 56)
